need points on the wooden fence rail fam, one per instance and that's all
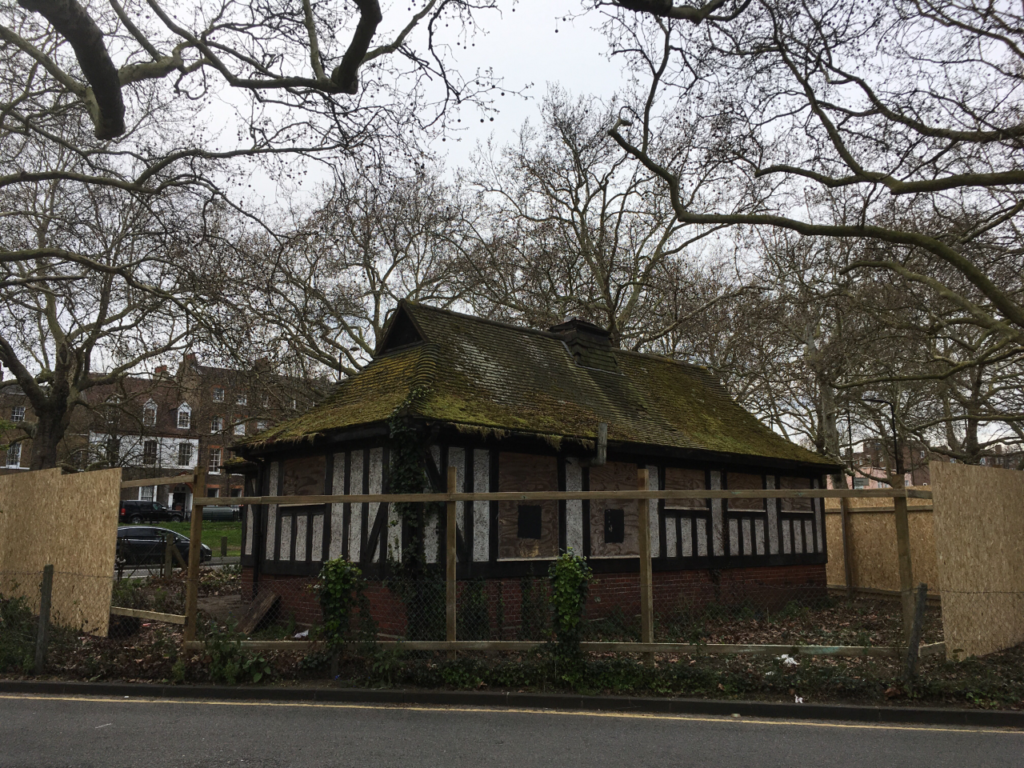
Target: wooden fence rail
(443, 498)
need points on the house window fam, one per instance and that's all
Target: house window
(262, 425)
(236, 491)
(614, 526)
(860, 482)
(241, 400)
(218, 395)
(147, 493)
(214, 492)
(14, 455)
(240, 428)
(295, 405)
(184, 454)
(215, 460)
(217, 424)
(18, 413)
(266, 401)
(149, 415)
(149, 452)
(110, 409)
(184, 417)
(529, 521)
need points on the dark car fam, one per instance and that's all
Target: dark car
(221, 513)
(147, 511)
(140, 544)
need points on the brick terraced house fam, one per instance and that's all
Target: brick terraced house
(514, 409)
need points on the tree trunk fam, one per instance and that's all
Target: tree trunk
(50, 428)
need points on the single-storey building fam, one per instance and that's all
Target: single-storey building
(516, 409)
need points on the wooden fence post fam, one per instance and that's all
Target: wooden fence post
(43, 627)
(844, 513)
(194, 552)
(450, 541)
(168, 555)
(914, 644)
(644, 537)
(223, 546)
(903, 552)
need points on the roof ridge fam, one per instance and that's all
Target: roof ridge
(415, 305)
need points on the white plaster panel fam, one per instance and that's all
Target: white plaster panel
(734, 536)
(670, 537)
(652, 511)
(809, 533)
(702, 538)
(773, 518)
(248, 529)
(285, 550)
(748, 540)
(272, 510)
(376, 483)
(798, 544)
(759, 536)
(394, 532)
(457, 459)
(717, 539)
(481, 509)
(787, 545)
(300, 538)
(318, 539)
(574, 509)
(338, 510)
(356, 517)
(430, 538)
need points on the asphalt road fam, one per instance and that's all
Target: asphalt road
(46, 732)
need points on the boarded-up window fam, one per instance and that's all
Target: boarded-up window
(525, 472)
(685, 480)
(303, 477)
(614, 476)
(793, 484)
(739, 481)
(614, 526)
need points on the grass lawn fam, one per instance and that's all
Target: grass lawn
(212, 533)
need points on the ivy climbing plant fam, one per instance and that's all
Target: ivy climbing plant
(339, 589)
(570, 577)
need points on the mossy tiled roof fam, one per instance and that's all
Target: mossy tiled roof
(478, 374)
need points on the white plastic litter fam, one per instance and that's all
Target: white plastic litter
(799, 699)
(300, 635)
(789, 661)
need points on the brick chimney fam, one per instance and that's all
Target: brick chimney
(589, 344)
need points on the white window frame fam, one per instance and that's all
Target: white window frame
(147, 493)
(241, 399)
(218, 394)
(216, 425)
(15, 460)
(214, 464)
(18, 414)
(239, 428)
(185, 448)
(147, 409)
(262, 425)
(156, 452)
(186, 411)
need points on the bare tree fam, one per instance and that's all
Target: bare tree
(575, 229)
(319, 298)
(69, 326)
(839, 120)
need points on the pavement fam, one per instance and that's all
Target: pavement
(69, 729)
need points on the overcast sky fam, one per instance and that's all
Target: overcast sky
(528, 49)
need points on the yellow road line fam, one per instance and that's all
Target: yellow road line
(514, 710)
